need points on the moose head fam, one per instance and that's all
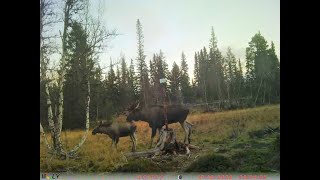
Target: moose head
(101, 128)
(131, 107)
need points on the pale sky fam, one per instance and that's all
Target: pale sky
(185, 25)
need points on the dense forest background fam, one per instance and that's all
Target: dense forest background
(220, 80)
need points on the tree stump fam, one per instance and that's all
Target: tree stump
(167, 143)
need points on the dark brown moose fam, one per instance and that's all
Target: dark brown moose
(154, 115)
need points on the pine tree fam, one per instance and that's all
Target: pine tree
(213, 41)
(122, 84)
(158, 70)
(274, 78)
(96, 90)
(186, 91)
(142, 67)
(212, 77)
(174, 80)
(132, 83)
(216, 70)
(112, 94)
(196, 69)
(153, 81)
(259, 69)
(78, 67)
(240, 81)
(204, 74)
(219, 67)
(250, 71)
(165, 68)
(231, 75)
(124, 72)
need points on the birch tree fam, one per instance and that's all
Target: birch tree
(46, 20)
(96, 37)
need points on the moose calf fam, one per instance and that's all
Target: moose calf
(117, 130)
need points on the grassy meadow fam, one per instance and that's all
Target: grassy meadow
(245, 140)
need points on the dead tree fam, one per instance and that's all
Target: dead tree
(167, 144)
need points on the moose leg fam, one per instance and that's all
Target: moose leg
(189, 130)
(133, 139)
(117, 140)
(113, 140)
(153, 133)
(186, 130)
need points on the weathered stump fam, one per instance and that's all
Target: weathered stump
(167, 143)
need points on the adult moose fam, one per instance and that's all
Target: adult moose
(154, 116)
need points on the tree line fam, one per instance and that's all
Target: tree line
(217, 78)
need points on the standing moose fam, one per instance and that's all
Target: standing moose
(154, 115)
(117, 130)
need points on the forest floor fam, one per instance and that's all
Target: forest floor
(246, 140)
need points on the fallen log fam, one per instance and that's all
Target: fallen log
(193, 147)
(150, 152)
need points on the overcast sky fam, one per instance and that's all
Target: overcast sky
(185, 25)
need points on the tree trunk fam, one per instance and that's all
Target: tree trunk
(97, 118)
(219, 93)
(62, 78)
(167, 140)
(264, 92)
(228, 89)
(47, 92)
(167, 143)
(269, 94)
(147, 153)
(258, 92)
(205, 95)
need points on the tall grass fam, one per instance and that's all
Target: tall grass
(96, 154)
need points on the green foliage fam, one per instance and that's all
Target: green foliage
(174, 80)
(79, 67)
(217, 78)
(142, 69)
(263, 71)
(186, 91)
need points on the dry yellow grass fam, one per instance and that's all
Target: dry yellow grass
(96, 154)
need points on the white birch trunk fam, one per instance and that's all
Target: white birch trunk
(61, 80)
(50, 115)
